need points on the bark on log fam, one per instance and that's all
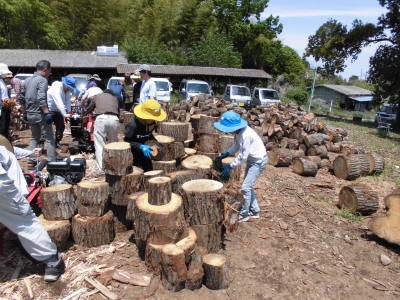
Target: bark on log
(377, 163)
(209, 236)
(153, 258)
(198, 254)
(347, 167)
(298, 153)
(148, 175)
(127, 118)
(203, 201)
(165, 166)
(123, 186)
(280, 157)
(316, 150)
(304, 167)
(206, 125)
(130, 209)
(58, 202)
(204, 172)
(188, 244)
(195, 122)
(162, 224)
(93, 231)
(315, 139)
(210, 155)
(121, 224)
(169, 147)
(58, 231)
(195, 275)
(234, 174)
(331, 147)
(180, 177)
(233, 201)
(225, 142)
(359, 198)
(117, 158)
(159, 189)
(173, 268)
(179, 131)
(92, 198)
(216, 271)
(270, 146)
(208, 143)
(179, 150)
(193, 162)
(303, 147)
(315, 159)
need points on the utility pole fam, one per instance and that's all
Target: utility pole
(312, 89)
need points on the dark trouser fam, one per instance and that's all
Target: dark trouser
(128, 106)
(5, 119)
(144, 163)
(58, 120)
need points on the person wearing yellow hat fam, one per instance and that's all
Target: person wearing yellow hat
(140, 130)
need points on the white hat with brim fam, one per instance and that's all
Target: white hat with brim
(4, 69)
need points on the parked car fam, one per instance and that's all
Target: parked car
(239, 94)
(113, 80)
(387, 113)
(262, 96)
(164, 89)
(81, 83)
(190, 87)
(22, 76)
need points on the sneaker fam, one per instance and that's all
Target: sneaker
(52, 274)
(254, 215)
(243, 219)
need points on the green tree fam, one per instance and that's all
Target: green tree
(353, 78)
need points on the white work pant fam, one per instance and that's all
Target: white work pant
(17, 215)
(105, 127)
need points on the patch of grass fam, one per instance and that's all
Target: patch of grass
(346, 214)
(174, 98)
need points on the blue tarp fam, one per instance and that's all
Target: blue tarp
(362, 99)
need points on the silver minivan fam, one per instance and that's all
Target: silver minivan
(190, 87)
(239, 94)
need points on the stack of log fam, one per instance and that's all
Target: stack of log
(16, 119)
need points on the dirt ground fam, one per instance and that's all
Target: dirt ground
(300, 248)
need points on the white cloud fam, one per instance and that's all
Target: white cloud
(301, 13)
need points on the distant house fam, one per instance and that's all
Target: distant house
(348, 96)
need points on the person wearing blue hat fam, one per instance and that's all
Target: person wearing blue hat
(251, 148)
(59, 103)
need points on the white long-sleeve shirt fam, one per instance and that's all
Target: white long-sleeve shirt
(9, 165)
(58, 99)
(249, 145)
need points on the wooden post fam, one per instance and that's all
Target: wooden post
(58, 202)
(92, 198)
(117, 158)
(58, 231)
(216, 271)
(159, 190)
(173, 268)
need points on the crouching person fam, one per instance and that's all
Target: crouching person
(251, 148)
(17, 215)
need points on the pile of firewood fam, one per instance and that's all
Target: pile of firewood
(16, 119)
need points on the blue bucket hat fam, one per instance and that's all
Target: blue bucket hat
(69, 82)
(230, 121)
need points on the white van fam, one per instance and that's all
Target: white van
(113, 80)
(387, 113)
(164, 89)
(239, 94)
(190, 87)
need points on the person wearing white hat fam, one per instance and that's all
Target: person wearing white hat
(148, 89)
(5, 114)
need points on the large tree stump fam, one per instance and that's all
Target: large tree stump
(128, 116)
(347, 167)
(280, 157)
(93, 231)
(162, 224)
(117, 158)
(195, 275)
(179, 131)
(153, 258)
(305, 167)
(169, 147)
(209, 236)
(216, 271)
(173, 268)
(359, 198)
(208, 143)
(180, 177)
(166, 166)
(376, 163)
(58, 202)
(159, 190)
(225, 142)
(92, 198)
(206, 125)
(193, 162)
(203, 201)
(123, 186)
(130, 209)
(188, 244)
(58, 231)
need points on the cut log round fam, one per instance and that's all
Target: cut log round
(123, 186)
(117, 158)
(209, 236)
(305, 167)
(331, 147)
(148, 175)
(195, 122)
(198, 254)
(188, 244)
(208, 143)
(173, 268)
(130, 209)
(315, 139)
(195, 275)
(203, 201)
(316, 150)
(347, 167)
(280, 157)
(359, 198)
(377, 163)
(153, 258)
(58, 231)
(169, 147)
(92, 198)
(190, 151)
(210, 155)
(166, 166)
(179, 131)
(204, 172)
(157, 150)
(225, 142)
(159, 190)
(315, 159)
(58, 202)
(128, 116)
(193, 162)
(206, 125)
(93, 231)
(180, 177)
(162, 224)
(216, 271)
(298, 153)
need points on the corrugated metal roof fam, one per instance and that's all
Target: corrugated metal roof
(348, 90)
(362, 99)
(59, 58)
(193, 70)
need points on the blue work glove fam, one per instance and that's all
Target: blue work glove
(146, 149)
(226, 170)
(49, 119)
(225, 155)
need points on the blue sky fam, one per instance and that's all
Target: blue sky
(301, 19)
